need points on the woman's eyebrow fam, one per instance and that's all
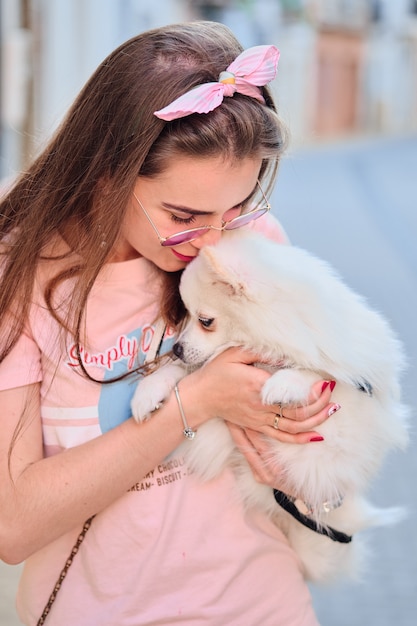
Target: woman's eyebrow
(184, 209)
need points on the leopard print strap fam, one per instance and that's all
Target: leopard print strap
(64, 571)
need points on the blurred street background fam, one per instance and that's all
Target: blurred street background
(347, 188)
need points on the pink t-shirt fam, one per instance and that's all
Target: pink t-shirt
(172, 550)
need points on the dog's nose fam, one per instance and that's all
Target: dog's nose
(178, 350)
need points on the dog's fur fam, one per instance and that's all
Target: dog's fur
(292, 310)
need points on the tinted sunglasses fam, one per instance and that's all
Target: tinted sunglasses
(185, 236)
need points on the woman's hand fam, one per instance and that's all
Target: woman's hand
(254, 447)
(296, 424)
(229, 387)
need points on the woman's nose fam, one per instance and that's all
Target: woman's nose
(209, 238)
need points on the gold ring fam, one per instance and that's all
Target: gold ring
(277, 417)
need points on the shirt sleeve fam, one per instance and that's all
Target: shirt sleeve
(270, 227)
(22, 366)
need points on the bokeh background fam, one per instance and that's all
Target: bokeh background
(347, 188)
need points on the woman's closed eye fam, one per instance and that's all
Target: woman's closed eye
(182, 220)
(230, 214)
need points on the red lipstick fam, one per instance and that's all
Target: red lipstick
(182, 257)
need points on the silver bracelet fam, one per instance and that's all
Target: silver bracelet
(188, 432)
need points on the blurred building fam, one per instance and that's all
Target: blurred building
(347, 66)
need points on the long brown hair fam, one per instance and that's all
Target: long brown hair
(80, 185)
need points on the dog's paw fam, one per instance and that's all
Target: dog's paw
(288, 386)
(152, 390)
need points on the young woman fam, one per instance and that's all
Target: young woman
(91, 259)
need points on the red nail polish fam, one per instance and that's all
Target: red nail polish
(317, 439)
(332, 385)
(325, 385)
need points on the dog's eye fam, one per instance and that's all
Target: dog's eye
(206, 322)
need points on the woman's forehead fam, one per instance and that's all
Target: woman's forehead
(202, 184)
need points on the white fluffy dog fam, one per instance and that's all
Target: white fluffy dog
(292, 310)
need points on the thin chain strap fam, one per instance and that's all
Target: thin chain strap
(64, 570)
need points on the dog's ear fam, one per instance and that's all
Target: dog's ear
(225, 275)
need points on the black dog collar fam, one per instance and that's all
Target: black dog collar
(288, 504)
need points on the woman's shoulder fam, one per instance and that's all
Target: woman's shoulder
(270, 227)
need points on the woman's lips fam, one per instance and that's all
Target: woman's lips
(182, 257)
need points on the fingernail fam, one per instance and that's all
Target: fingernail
(333, 409)
(332, 385)
(325, 385)
(317, 439)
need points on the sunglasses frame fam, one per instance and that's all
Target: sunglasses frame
(167, 241)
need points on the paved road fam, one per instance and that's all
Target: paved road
(355, 205)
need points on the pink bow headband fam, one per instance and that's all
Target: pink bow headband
(253, 68)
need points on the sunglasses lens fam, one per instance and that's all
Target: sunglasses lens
(184, 237)
(244, 219)
(194, 233)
